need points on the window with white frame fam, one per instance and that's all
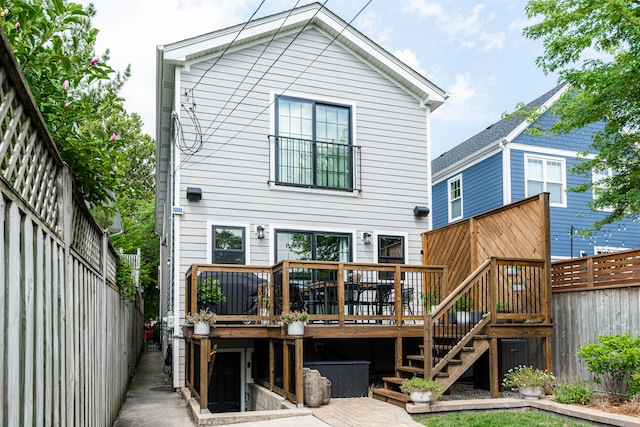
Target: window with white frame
(598, 185)
(228, 245)
(454, 186)
(313, 144)
(544, 174)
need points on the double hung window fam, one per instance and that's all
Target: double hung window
(313, 144)
(546, 175)
(390, 251)
(455, 198)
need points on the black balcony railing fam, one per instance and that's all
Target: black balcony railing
(316, 164)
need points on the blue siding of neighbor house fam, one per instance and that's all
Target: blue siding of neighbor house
(624, 234)
(481, 190)
(577, 140)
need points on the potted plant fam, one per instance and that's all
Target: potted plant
(529, 381)
(209, 293)
(421, 390)
(294, 321)
(201, 321)
(462, 307)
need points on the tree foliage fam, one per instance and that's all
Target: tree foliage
(55, 46)
(111, 160)
(595, 46)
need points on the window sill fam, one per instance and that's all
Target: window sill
(340, 193)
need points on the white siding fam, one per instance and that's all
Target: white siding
(233, 166)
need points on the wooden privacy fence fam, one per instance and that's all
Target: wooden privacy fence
(595, 295)
(67, 341)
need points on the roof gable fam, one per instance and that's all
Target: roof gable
(506, 129)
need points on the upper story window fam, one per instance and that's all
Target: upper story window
(228, 246)
(390, 251)
(546, 175)
(599, 186)
(454, 195)
(313, 144)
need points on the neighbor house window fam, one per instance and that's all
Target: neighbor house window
(228, 245)
(313, 144)
(601, 186)
(455, 197)
(546, 175)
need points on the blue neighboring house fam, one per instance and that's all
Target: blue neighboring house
(504, 163)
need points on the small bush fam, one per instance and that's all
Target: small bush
(573, 391)
(615, 361)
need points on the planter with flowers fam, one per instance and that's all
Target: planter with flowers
(294, 321)
(201, 321)
(421, 390)
(529, 381)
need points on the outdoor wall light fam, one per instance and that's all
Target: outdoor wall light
(194, 194)
(367, 238)
(421, 211)
(260, 231)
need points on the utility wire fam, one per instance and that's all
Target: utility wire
(287, 88)
(228, 47)
(201, 134)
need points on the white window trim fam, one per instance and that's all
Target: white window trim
(247, 238)
(449, 182)
(528, 156)
(272, 148)
(314, 228)
(609, 174)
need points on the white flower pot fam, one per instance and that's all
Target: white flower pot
(462, 317)
(295, 328)
(201, 328)
(421, 398)
(531, 393)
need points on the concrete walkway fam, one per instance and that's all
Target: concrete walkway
(151, 402)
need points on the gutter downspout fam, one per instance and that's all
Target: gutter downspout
(506, 171)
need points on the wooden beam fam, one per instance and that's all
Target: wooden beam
(204, 375)
(494, 380)
(299, 346)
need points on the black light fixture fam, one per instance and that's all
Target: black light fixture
(367, 238)
(421, 211)
(194, 194)
(260, 231)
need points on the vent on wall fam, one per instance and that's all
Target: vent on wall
(176, 210)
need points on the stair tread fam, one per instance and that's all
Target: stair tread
(418, 370)
(420, 358)
(396, 395)
(394, 380)
(448, 347)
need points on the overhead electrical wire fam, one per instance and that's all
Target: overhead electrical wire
(201, 134)
(285, 89)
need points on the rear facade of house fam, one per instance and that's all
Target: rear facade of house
(296, 143)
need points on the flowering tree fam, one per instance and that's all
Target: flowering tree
(75, 89)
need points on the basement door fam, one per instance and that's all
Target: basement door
(225, 385)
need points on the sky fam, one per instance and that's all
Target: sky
(474, 50)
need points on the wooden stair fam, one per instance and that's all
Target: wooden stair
(454, 368)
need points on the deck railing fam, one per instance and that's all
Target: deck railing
(331, 292)
(618, 269)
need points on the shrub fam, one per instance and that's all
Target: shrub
(574, 391)
(527, 376)
(615, 361)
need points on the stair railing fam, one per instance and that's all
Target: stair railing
(441, 322)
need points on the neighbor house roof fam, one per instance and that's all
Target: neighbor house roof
(505, 129)
(311, 16)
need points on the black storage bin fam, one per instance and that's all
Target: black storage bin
(349, 378)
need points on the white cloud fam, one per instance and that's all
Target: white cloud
(468, 29)
(369, 23)
(467, 103)
(409, 57)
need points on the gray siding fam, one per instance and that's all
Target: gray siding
(233, 166)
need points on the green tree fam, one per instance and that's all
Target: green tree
(55, 45)
(595, 46)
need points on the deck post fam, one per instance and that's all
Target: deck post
(272, 364)
(547, 353)
(398, 361)
(494, 381)
(427, 350)
(204, 375)
(299, 377)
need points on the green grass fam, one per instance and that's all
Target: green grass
(493, 419)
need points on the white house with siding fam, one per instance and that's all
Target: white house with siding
(296, 137)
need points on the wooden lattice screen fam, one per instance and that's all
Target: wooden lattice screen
(517, 230)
